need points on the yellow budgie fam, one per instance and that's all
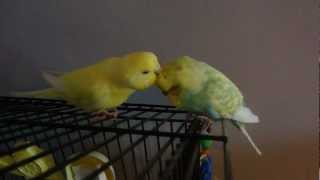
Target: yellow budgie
(102, 86)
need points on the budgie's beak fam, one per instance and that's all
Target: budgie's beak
(172, 90)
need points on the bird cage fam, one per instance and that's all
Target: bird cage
(143, 142)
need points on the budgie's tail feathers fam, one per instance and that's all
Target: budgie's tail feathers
(53, 79)
(245, 115)
(245, 132)
(49, 93)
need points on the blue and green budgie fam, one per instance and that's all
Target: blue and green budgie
(196, 86)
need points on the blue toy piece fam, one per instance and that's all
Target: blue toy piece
(206, 167)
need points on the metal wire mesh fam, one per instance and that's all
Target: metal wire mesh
(143, 142)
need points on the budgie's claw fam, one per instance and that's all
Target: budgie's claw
(206, 123)
(105, 115)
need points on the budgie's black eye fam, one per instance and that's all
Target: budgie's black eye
(145, 72)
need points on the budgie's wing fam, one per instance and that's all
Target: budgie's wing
(224, 97)
(53, 80)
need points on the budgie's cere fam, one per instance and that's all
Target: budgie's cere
(104, 85)
(195, 86)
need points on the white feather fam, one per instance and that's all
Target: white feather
(55, 73)
(53, 80)
(245, 115)
(244, 131)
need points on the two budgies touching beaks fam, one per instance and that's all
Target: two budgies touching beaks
(190, 84)
(102, 86)
(196, 86)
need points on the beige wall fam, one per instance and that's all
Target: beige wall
(267, 47)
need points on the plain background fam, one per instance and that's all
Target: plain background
(268, 48)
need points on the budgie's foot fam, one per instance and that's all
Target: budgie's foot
(206, 123)
(105, 115)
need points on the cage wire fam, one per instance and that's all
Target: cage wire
(143, 142)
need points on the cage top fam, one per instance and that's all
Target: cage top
(11, 108)
(41, 121)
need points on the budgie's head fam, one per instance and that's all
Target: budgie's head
(140, 69)
(182, 73)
